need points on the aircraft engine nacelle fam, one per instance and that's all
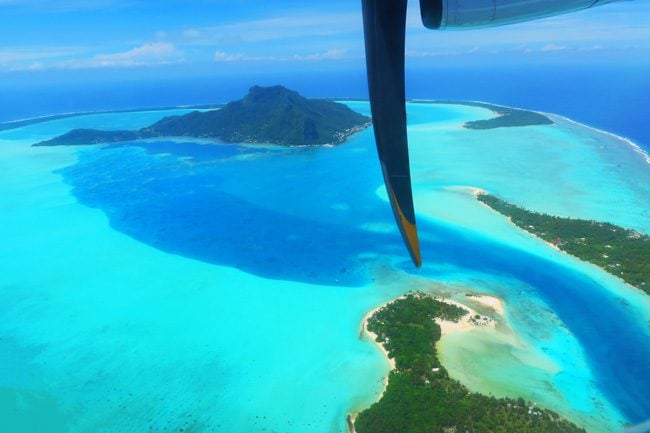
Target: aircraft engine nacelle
(466, 14)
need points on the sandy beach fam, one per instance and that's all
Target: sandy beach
(492, 302)
(446, 327)
(478, 191)
(475, 191)
(466, 323)
(365, 333)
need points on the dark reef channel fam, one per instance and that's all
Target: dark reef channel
(303, 214)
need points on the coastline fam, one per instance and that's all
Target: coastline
(468, 102)
(496, 304)
(18, 123)
(635, 147)
(638, 149)
(467, 322)
(446, 327)
(352, 311)
(365, 333)
(477, 192)
(464, 324)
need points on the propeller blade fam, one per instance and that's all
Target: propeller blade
(384, 25)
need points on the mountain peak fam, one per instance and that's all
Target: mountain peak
(270, 94)
(272, 114)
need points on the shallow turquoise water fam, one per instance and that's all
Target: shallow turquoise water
(221, 288)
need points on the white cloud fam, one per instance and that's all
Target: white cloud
(158, 53)
(600, 47)
(221, 56)
(191, 33)
(327, 55)
(143, 53)
(440, 53)
(610, 26)
(20, 58)
(297, 26)
(334, 54)
(36, 66)
(552, 47)
(151, 54)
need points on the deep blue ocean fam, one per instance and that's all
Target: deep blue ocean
(612, 97)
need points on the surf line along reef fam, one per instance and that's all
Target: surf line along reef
(421, 397)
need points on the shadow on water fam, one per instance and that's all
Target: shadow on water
(207, 208)
(180, 207)
(208, 151)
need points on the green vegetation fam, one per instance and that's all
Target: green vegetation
(91, 136)
(507, 117)
(621, 252)
(266, 115)
(422, 398)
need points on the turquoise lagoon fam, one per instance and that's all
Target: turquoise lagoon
(166, 285)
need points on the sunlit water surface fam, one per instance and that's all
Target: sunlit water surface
(166, 285)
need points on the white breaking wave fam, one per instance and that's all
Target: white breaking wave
(638, 149)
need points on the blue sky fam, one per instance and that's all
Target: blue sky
(244, 35)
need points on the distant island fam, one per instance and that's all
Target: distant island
(621, 252)
(274, 115)
(421, 397)
(506, 117)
